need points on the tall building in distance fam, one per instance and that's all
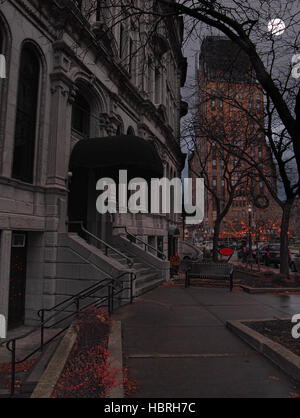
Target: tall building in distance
(230, 112)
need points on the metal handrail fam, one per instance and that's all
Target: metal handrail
(112, 291)
(106, 245)
(162, 255)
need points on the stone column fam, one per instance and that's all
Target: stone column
(63, 95)
(5, 255)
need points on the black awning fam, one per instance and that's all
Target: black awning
(121, 152)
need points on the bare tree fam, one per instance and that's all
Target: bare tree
(271, 46)
(235, 174)
(278, 162)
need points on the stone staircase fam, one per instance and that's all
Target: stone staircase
(147, 278)
(147, 267)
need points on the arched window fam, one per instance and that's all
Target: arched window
(81, 115)
(3, 72)
(1, 43)
(2, 58)
(130, 131)
(26, 117)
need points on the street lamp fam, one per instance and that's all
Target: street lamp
(250, 224)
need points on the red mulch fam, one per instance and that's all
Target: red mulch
(89, 372)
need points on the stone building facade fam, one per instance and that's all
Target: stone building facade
(71, 76)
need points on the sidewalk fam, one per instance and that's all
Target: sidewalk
(176, 344)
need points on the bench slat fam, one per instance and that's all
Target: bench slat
(210, 271)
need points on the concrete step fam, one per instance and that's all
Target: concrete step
(146, 278)
(139, 265)
(143, 270)
(117, 257)
(147, 287)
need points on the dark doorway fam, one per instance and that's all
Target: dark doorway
(78, 198)
(17, 285)
(82, 205)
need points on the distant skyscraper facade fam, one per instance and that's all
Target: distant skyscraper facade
(230, 112)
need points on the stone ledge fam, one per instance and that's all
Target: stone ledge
(285, 359)
(49, 379)
(116, 353)
(56, 365)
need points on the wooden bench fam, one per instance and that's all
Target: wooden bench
(209, 271)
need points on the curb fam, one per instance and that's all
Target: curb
(56, 365)
(116, 352)
(254, 290)
(281, 356)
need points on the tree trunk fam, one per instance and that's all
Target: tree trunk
(217, 227)
(284, 239)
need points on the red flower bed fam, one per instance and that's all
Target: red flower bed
(89, 372)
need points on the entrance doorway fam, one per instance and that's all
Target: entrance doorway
(82, 205)
(78, 199)
(17, 285)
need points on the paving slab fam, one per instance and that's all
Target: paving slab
(218, 296)
(289, 304)
(176, 344)
(278, 300)
(177, 294)
(227, 313)
(154, 313)
(251, 376)
(182, 340)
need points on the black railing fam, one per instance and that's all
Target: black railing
(133, 238)
(115, 286)
(107, 247)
